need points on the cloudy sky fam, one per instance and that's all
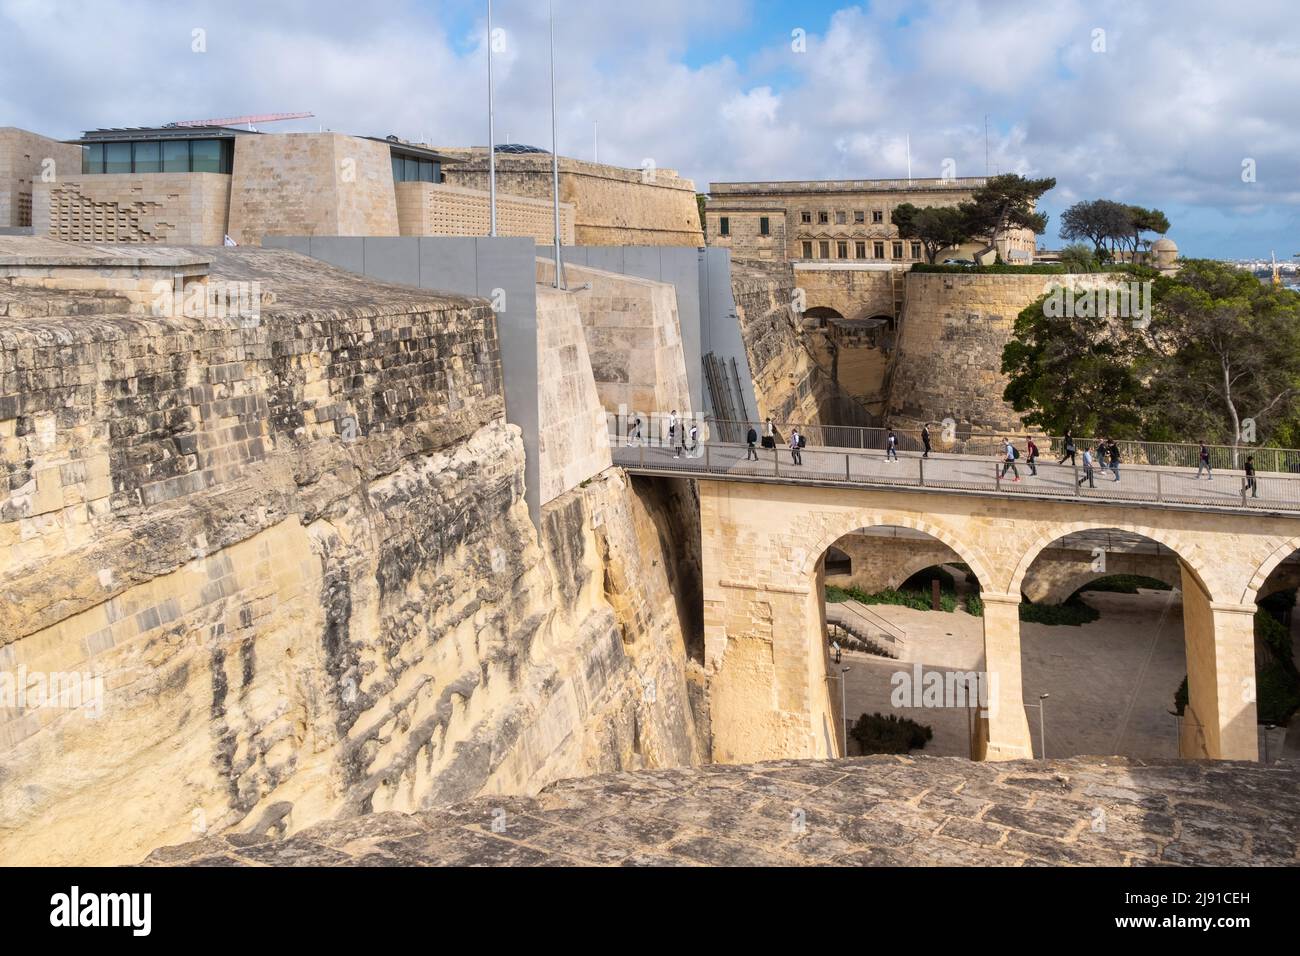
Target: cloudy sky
(1189, 107)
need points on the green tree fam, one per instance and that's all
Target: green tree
(1100, 221)
(700, 202)
(1077, 257)
(1004, 203)
(1069, 372)
(1230, 350)
(1143, 220)
(935, 227)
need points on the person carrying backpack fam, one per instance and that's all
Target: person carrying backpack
(1250, 477)
(1087, 469)
(1010, 461)
(891, 446)
(1031, 455)
(796, 443)
(750, 439)
(769, 434)
(1204, 462)
(1112, 451)
(672, 431)
(925, 440)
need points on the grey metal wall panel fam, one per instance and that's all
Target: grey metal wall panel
(346, 252)
(393, 259)
(449, 262)
(299, 244)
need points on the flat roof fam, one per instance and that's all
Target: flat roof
(845, 185)
(122, 134)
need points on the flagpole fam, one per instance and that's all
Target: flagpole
(492, 146)
(555, 156)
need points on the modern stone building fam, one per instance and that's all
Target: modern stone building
(197, 185)
(24, 159)
(843, 220)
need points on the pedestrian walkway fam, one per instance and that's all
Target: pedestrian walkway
(1139, 483)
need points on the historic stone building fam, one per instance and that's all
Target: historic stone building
(24, 159)
(837, 219)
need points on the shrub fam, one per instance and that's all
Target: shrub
(1277, 691)
(1072, 612)
(880, 734)
(975, 605)
(919, 600)
(835, 594)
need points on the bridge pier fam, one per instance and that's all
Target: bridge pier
(1219, 721)
(1005, 728)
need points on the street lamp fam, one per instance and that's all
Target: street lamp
(1042, 733)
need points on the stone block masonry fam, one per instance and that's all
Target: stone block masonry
(297, 553)
(157, 208)
(26, 161)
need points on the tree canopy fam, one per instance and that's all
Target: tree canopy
(1221, 348)
(1111, 225)
(1004, 203)
(935, 227)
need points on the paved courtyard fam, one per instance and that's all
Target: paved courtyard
(1110, 683)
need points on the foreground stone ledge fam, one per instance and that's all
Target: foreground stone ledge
(868, 811)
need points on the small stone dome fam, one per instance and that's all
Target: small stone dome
(1164, 253)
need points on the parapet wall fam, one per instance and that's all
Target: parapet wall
(294, 549)
(26, 160)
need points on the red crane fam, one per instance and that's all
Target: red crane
(240, 120)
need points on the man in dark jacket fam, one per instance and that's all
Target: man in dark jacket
(751, 439)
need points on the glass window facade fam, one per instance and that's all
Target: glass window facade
(159, 156)
(413, 169)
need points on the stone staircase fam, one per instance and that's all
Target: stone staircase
(855, 627)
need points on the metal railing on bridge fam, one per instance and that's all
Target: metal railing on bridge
(965, 472)
(988, 444)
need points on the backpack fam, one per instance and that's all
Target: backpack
(1015, 452)
(752, 436)
(802, 441)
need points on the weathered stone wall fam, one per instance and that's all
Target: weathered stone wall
(174, 208)
(296, 551)
(853, 292)
(573, 436)
(311, 184)
(634, 338)
(436, 209)
(950, 343)
(23, 158)
(613, 206)
(788, 383)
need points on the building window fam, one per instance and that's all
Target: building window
(807, 250)
(916, 250)
(824, 249)
(805, 216)
(878, 250)
(842, 249)
(823, 217)
(898, 250)
(860, 250)
(147, 157)
(92, 158)
(205, 156)
(415, 169)
(117, 157)
(859, 216)
(877, 216)
(724, 226)
(176, 156)
(841, 218)
(764, 226)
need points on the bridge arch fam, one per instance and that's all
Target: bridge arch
(1280, 554)
(848, 522)
(1184, 550)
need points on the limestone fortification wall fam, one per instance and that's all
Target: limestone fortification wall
(23, 163)
(572, 441)
(950, 343)
(613, 206)
(788, 383)
(855, 293)
(634, 339)
(436, 209)
(296, 550)
(311, 184)
(175, 208)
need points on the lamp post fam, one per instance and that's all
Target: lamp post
(492, 146)
(1042, 732)
(555, 156)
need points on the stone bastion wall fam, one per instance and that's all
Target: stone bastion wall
(288, 559)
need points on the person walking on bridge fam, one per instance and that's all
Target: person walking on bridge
(1009, 460)
(1087, 469)
(1067, 446)
(1250, 477)
(750, 440)
(1031, 455)
(1204, 462)
(672, 431)
(769, 434)
(796, 443)
(891, 446)
(925, 440)
(1112, 452)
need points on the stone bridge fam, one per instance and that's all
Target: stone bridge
(764, 542)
